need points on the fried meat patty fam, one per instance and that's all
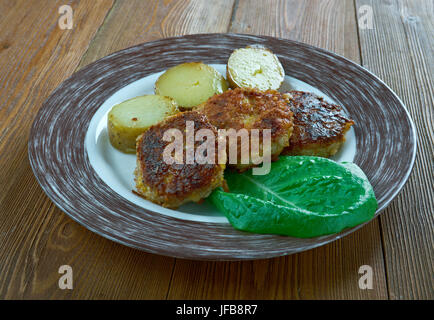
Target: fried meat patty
(171, 185)
(319, 127)
(246, 108)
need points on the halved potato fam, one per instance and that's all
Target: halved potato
(190, 84)
(254, 67)
(127, 120)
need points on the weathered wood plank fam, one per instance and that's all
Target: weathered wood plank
(134, 22)
(328, 272)
(325, 24)
(36, 238)
(399, 49)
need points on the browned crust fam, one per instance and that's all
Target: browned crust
(234, 108)
(319, 127)
(173, 184)
(246, 108)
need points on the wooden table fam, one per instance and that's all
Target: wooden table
(36, 238)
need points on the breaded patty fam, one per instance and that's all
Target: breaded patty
(171, 185)
(245, 108)
(319, 127)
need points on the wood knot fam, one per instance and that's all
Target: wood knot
(67, 230)
(411, 19)
(4, 45)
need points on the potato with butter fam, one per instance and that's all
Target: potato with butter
(254, 67)
(127, 120)
(190, 84)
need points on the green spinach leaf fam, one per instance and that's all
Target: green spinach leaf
(302, 196)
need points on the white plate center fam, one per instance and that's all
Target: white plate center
(116, 169)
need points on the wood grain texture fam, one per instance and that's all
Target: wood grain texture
(135, 21)
(328, 24)
(399, 49)
(36, 237)
(328, 272)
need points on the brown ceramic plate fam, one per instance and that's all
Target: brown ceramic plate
(91, 182)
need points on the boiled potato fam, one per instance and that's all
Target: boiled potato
(254, 67)
(127, 120)
(190, 84)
